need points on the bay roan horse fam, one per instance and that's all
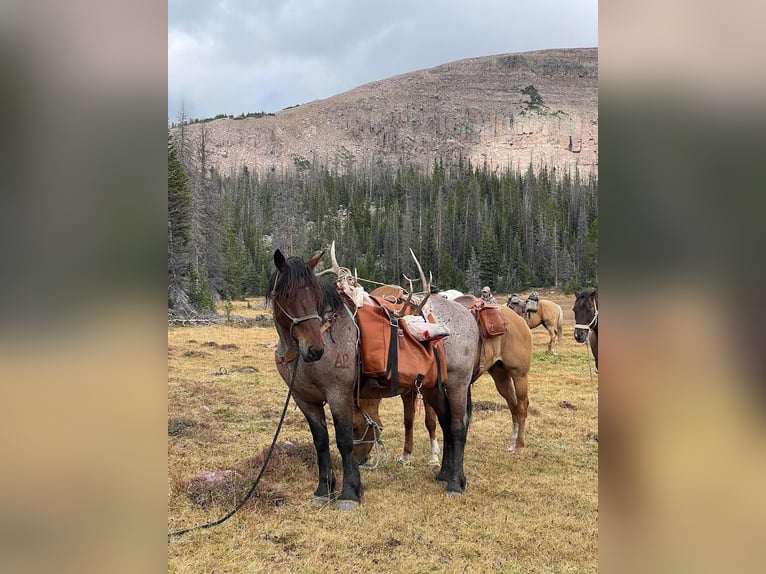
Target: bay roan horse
(548, 314)
(317, 354)
(586, 320)
(506, 358)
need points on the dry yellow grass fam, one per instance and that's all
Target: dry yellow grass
(534, 512)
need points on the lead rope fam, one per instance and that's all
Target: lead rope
(260, 474)
(588, 328)
(377, 431)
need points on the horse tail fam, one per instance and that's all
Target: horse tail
(560, 323)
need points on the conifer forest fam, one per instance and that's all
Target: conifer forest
(469, 225)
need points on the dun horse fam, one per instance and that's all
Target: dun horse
(548, 314)
(317, 356)
(586, 320)
(506, 358)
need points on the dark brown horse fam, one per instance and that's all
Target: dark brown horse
(548, 314)
(586, 320)
(317, 354)
(506, 358)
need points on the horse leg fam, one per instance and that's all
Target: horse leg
(552, 337)
(514, 390)
(343, 420)
(519, 414)
(441, 408)
(459, 417)
(431, 426)
(408, 402)
(315, 416)
(453, 414)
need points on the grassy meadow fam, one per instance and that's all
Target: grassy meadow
(533, 512)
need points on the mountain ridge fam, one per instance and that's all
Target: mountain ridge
(507, 110)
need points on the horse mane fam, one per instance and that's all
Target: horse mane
(296, 272)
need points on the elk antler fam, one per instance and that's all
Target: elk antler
(426, 284)
(335, 267)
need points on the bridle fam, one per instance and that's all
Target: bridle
(295, 320)
(593, 322)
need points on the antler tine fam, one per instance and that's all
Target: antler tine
(335, 267)
(406, 304)
(333, 259)
(426, 284)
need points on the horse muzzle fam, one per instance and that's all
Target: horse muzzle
(312, 354)
(580, 335)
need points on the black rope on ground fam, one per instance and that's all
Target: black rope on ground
(260, 474)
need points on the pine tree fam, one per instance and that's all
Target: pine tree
(473, 274)
(179, 228)
(489, 256)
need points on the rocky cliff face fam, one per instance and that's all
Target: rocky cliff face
(480, 108)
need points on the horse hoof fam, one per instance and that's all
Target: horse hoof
(405, 460)
(346, 505)
(320, 500)
(434, 462)
(517, 451)
(452, 493)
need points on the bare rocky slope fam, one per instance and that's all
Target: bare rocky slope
(474, 108)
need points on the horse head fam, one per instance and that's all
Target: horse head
(298, 302)
(586, 314)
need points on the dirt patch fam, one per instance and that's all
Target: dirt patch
(228, 487)
(229, 347)
(197, 354)
(488, 406)
(567, 405)
(181, 426)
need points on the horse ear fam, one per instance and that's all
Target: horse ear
(315, 259)
(279, 259)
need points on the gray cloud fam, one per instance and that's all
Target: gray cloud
(238, 56)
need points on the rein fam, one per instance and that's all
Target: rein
(260, 474)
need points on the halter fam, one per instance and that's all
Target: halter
(593, 321)
(295, 320)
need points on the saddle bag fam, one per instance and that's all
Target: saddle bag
(491, 321)
(531, 305)
(391, 354)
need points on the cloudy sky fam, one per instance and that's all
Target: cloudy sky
(234, 56)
